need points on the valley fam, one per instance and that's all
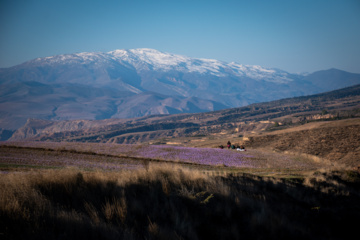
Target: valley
(322, 126)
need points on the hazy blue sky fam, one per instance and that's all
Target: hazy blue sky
(293, 35)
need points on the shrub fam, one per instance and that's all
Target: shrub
(175, 203)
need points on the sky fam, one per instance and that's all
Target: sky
(293, 35)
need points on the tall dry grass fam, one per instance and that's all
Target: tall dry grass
(176, 203)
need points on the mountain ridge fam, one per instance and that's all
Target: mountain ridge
(338, 104)
(115, 84)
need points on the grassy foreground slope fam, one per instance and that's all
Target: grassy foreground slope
(176, 203)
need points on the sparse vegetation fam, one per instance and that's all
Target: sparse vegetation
(176, 203)
(108, 191)
(336, 142)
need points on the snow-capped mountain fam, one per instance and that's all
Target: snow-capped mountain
(137, 82)
(144, 58)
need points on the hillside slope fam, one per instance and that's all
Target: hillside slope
(322, 126)
(334, 141)
(337, 104)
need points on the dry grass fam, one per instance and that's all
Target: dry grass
(176, 203)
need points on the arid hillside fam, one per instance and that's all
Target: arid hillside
(335, 141)
(323, 126)
(340, 104)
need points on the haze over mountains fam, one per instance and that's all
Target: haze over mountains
(140, 82)
(338, 104)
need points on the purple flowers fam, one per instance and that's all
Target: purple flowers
(112, 156)
(206, 156)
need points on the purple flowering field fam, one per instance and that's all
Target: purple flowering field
(129, 156)
(25, 158)
(205, 156)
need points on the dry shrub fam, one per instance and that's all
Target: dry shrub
(176, 203)
(115, 210)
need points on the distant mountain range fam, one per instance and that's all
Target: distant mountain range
(338, 104)
(140, 82)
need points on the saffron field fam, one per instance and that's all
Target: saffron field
(125, 156)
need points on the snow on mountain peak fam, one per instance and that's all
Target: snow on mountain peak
(166, 61)
(153, 57)
(159, 58)
(84, 57)
(144, 59)
(260, 73)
